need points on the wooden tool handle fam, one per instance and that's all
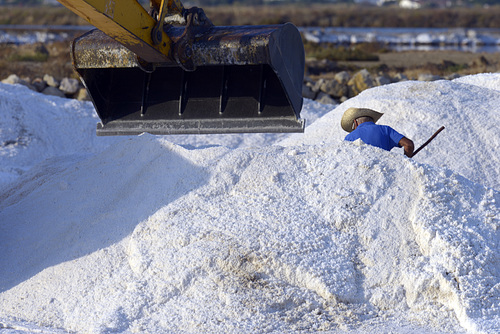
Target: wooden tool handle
(428, 141)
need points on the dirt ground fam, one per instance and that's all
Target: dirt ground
(440, 63)
(409, 58)
(35, 60)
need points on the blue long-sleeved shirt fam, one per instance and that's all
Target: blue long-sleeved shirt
(382, 136)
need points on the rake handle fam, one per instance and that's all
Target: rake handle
(428, 141)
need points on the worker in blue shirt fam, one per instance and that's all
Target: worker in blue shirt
(360, 123)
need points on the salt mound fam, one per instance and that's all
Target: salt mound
(467, 107)
(138, 234)
(35, 127)
(311, 111)
(150, 237)
(486, 80)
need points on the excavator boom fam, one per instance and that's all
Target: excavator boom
(171, 71)
(127, 22)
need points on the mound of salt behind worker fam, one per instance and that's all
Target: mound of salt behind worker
(153, 237)
(467, 107)
(166, 239)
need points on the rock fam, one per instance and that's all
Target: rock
(69, 86)
(15, 80)
(400, 77)
(324, 98)
(383, 80)
(307, 92)
(51, 81)
(428, 77)
(317, 85)
(359, 82)
(342, 77)
(82, 95)
(334, 88)
(49, 90)
(39, 84)
(12, 80)
(453, 76)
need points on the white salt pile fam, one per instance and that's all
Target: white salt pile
(253, 233)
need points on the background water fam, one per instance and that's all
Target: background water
(26, 34)
(399, 39)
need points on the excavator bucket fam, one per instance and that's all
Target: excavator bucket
(230, 80)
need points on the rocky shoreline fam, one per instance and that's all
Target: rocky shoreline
(47, 68)
(48, 85)
(331, 89)
(344, 86)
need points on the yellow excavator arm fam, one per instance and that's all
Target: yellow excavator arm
(171, 71)
(128, 23)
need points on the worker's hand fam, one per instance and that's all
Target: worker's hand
(408, 146)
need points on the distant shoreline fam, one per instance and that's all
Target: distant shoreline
(476, 40)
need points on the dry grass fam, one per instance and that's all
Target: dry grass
(325, 15)
(39, 15)
(28, 61)
(342, 15)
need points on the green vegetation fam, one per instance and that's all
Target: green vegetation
(34, 57)
(30, 52)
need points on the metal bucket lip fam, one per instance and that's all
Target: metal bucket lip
(203, 126)
(217, 45)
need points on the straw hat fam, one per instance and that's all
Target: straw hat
(352, 113)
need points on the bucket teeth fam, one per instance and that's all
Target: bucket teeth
(238, 79)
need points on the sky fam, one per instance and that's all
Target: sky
(254, 233)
